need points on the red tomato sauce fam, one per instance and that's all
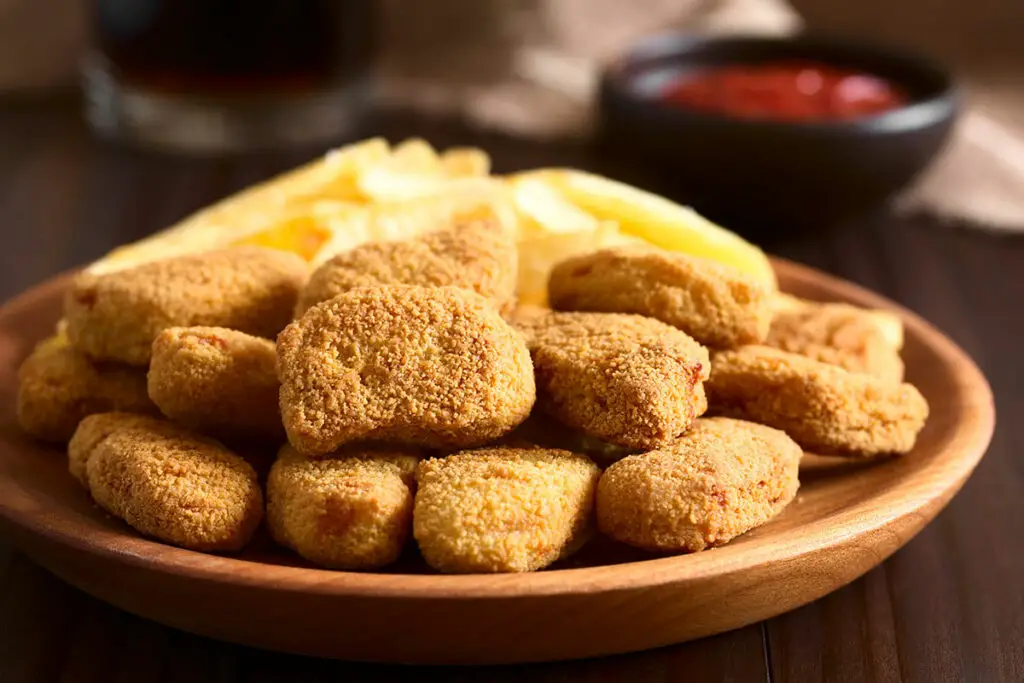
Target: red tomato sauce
(785, 91)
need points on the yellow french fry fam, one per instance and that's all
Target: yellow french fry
(255, 209)
(538, 254)
(415, 156)
(462, 162)
(657, 220)
(546, 211)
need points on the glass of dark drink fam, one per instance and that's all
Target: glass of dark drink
(221, 75)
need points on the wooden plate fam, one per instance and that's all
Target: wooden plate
(849, 516)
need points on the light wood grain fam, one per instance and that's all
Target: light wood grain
(847, 518)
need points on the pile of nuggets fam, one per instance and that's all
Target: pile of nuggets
(406, 395)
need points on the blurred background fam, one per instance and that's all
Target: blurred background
(214, 77)
(119, 118)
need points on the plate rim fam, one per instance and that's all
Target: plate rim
(16, 509)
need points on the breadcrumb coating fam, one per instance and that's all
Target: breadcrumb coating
(888, 323)
(95, 428)
(117, 316)
(715, 304)
(503, 509)
(217, 381)
(427, 366)
(721, 479)
(348, 510)
(173, 485)
(837, 334)
(59, 386)
(629, 380)
(479, 255)
(824, 408)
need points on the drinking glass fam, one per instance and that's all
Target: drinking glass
(220, 75)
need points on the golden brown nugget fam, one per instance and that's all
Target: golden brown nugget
(887, 322)
(426, 366)
(629, 380)
(58, 387)
(217, 381)
(837, 334)
(721, 479)
(503, 509)
(118, 315)
(715, 304)
(95, 428)
(348, 510)
(825, 408)
(479, 255)
(175, 486)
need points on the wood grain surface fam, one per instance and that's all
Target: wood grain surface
(946, 607)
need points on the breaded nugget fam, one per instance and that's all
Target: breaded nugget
(95, 428)
(825, 408)
(217, 381)
(58, 386)
(348, 510)
(629, 380)
(118, 315)
(836, 334)
(503, 509)
(479, 255)
(721, 479)
(715, 304)
(168, 483)
(887, 322)
(427, 366)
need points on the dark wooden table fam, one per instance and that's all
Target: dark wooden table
(948, 607)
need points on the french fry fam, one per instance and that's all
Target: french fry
(544, 211)
(415, 156)
(539, 254)
(370, 191)
(656, 220)
(465, 162)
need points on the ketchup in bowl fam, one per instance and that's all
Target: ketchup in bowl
(785, 91)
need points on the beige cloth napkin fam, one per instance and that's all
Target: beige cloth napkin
(534, 71)
(980, 177)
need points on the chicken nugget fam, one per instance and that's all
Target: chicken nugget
(58, 387)
(721, 479)
(715, 304)
(117, 316)
(217, 381)
(168, 483)
(824, 408)
(479, 255)
(347, 510)
(837, 334)
(629, 380)
(887, 322)
(503, 509)
(95, 428)
(426, 366)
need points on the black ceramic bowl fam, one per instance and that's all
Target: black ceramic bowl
(757, 174)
